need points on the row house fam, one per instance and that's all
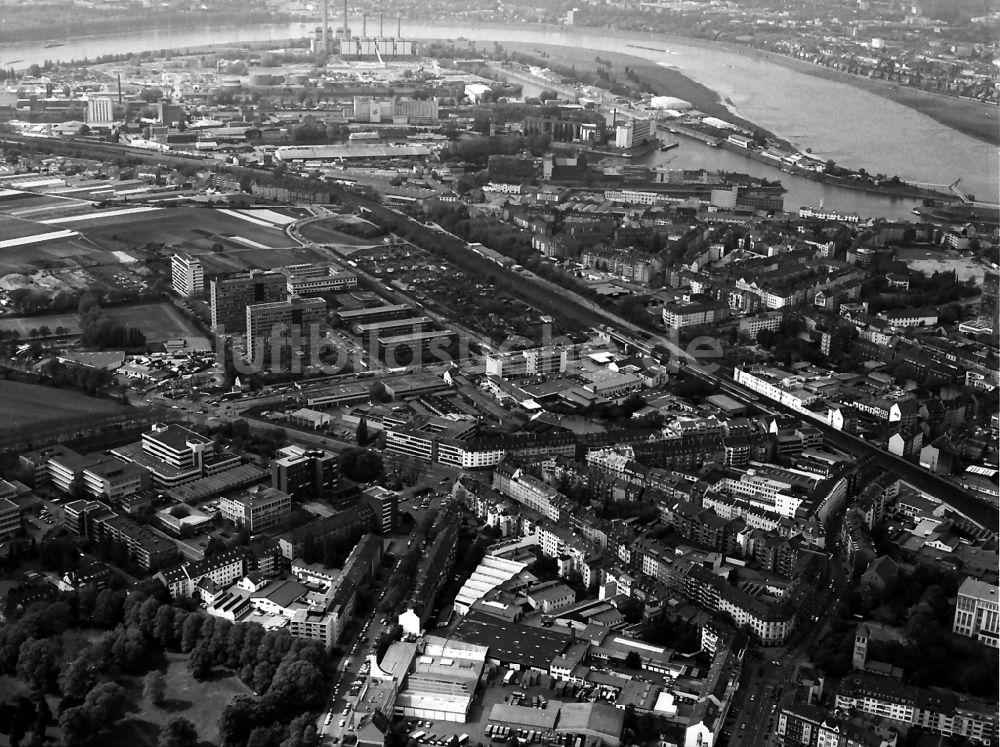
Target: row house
(938, 711)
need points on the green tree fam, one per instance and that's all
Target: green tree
(178, 732)
(154, 688)
(200, 663)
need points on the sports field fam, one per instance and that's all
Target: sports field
(326, 232)
(158, 321)
(34, 404)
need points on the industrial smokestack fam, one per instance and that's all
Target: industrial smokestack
(364, 25)
(325, 37)
(381, 35)
(119, 88)
(346, 35)
(399, 27)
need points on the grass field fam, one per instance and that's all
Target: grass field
(325, 232)
(28, 404)
(25, 323)
(158, 321)
(199, 702)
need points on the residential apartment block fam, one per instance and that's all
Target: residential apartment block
(187, 275)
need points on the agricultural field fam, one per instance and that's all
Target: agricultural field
(33, 404)
(17, 228)
(199, 702)
(183, 228)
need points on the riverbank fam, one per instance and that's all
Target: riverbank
(975, 119)
(659, 80)
(665, 81)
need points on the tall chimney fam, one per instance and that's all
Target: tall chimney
(399, 26)
(325, 37)
(346, 35)
(119, 88)
(364, 25)
(380, 33)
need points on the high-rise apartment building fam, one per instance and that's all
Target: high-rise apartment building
(977, 612)
(187, 275)
(230, 296)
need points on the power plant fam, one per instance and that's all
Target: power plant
(362, 47)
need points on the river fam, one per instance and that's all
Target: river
(835, 120)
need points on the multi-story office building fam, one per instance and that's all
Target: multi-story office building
(174, 455)
(114, 479)
(295, 318)
(187, 275)
(176, 445)
(305, 473)
(977, 612)
(390, 327)
(315, 280)
(530, 362)
(230, 297)
(10, 512)
(350, 317)
(416, 347)
(385, 504)
(258, 508)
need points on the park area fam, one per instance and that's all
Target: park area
(25, 405)
(198, 702)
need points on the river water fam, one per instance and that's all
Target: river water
(852, 126)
